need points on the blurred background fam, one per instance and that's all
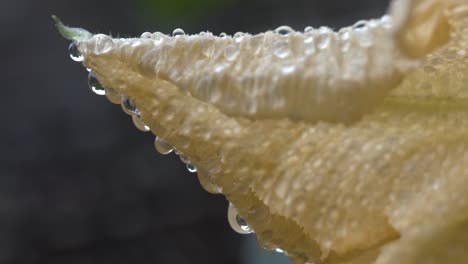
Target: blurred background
(78, 183)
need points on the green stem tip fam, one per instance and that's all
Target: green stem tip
(74, 34)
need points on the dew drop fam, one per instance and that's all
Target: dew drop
(324, 36)
(129, 106)
(360, 24)
(279, 250)
(184, 159)
(146, 35)
(75, 54)
(191, 168)
(94, 84)
(236, 222)
(231, 52)
(281, 49)
(113, 96)
(223, 35)
(284, 30)
(178, 32)
(162, 146)
(238, 37)
(139, 124)
(309, 45)
(308, 29)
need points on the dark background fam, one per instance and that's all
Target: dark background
(78, 183)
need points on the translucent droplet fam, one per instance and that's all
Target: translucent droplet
(308, 29)
(223, 35)
(236, 222)
(94, 84)
(113, 96)
(281, 49)
(279, 250)
(129, 106)
(231, 52)
(102, 44)
(75, 54)
(284, 30)
(191, 168)
(323, 39)
(158, 37)
(238, 37)
(178, 32)
(184, 159)
(206, 183)
(360, 24)
(146, 35)
(162, 146)
(139, 124)
(309, 45)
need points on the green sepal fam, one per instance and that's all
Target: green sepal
(74, 34)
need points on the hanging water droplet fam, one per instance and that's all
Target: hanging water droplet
(139, 124)
(281, 49)
(191, 168)
(284, 30)
(94, 84)
(129, 106)
(162, 146)
(360, 24)
(113, 96)
(178, 32)
(324, 38)
(184, 159)
(231, 52)
(75, 54)
(308, 29)
(238, 37)
(146, 35)
(279, 250)
(236, 222)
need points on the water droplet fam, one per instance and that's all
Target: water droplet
(231, 52)
(162, 146)
(279, 250)
(360, 24)
(238, 37)
(236, 222)
(140, 124)
(113, 96)
(102, 44)
(75, 54)
(281, 49)
(191, 168)
(184, 159)
(158, 37)
(178, 32)
(308, 29)
(309, 45)
(284, 30)
(94, 84)
(129, 106)
(146, 35)
(323, 39)
(223, 35)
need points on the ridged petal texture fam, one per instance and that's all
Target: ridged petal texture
(390, 187)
